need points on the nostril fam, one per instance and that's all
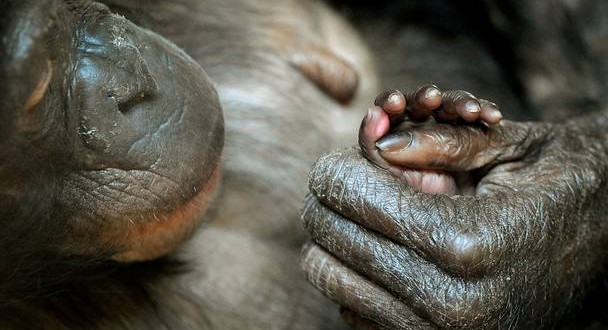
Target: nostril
(133, 88)
(127, 101)
(124, 107)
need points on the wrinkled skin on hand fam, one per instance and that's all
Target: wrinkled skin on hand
(516, 254)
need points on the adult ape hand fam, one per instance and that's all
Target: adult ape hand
(517, 254)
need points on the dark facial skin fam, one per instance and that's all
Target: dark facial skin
(115, 138)
(523, 250)
(151, 133)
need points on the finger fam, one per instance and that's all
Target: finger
(351, 290)
(373, 127)
(392, 102)
(466, 236)
(332, 74)
(458, 104)
(423, 101)
(490, 113)
(403, 273)
(455, 148)
(375, 124)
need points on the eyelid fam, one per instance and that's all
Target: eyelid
(41, 88)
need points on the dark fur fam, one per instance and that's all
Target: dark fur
(241, 270)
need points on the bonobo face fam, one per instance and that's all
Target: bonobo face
(142, 134)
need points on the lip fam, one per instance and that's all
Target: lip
(166, 232)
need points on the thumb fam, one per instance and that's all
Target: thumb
(458, 148)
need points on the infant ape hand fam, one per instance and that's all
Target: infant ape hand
(395, 136)
(518, 252)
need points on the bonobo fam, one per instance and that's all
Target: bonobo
(288, 75)
(284, 71)
(525, 247)
(110, 158)
(117, 131)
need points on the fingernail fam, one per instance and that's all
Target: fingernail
(370, 114)
(373, 119)
(472, 106)
(394, 98)
(494, 116)
(380, 99)
(432, 93)
(395, 142)
(495, 113)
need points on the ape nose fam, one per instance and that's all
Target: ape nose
(139, 87)
(114, 51)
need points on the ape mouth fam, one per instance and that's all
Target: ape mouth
(164, 233)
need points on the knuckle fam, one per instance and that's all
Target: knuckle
(466, 95)
(472, 247)
(488, 103)
(464, 250)
(347, 182)
(458, 96)
(321, 223)
(466, 254)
